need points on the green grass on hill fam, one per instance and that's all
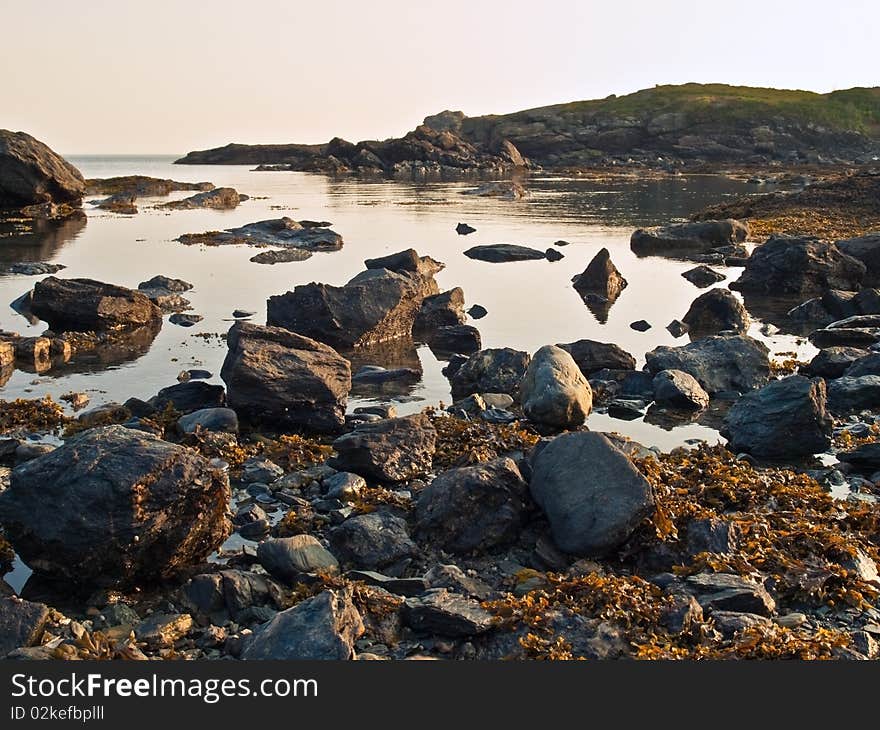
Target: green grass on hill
(855, 109)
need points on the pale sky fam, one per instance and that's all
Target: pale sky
(174, 75)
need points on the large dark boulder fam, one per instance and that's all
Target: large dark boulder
(699, 236)
(737, 363)
(590, 491)
(21, 624)
(440, 310)
(372, 540)
(801, 266)
(592, 356)
(193, 395)
(785, 419)
(832, 362)
(32, 174)
(716, 311)
(113, 506)
(867, 250)
(82, 305)
(600, 278)
(853, 394)
(278, 377)
(390, 450)
(554, 392)
(473, 507)
(375, 306)
(490, 371)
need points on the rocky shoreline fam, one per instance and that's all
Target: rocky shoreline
(260, 519)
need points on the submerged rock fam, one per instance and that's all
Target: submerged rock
(82, 305)
(703, 276)
(284, 233)
(717, 310)
(785, 419)
(113, 506)
(221, 198)
(32, 174)
(554, 391)
(499, 253)
(277, 377)
(590, 491)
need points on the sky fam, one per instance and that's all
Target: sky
(168, 76)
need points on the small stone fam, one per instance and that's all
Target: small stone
(440, 612)
(640, 325)
(162, 630)
(289, 557)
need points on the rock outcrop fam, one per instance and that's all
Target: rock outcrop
(31, 174)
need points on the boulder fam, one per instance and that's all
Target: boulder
(832, 362)
(277, 377)
(322, 627)
(390, 450)
(718, 364)
(190, 396)
(83, 305)
(113, 506)
(866, 364)
(222, 420)
(867, 250)
(32, 174)
(490, 371)
(699, 236)
(407, 261)
(438, 611)
(600, 278)
(458, 339)
(717, 310)
(376, 306)
(854, 394)
(288, 558)
(785, 419)
(372, 540)
(21, 624)
(500, 253)
(473, 507)
(703, 276)
(440, 310)
(177, 286)
(678, 389)
(593, 496)
(727, 592)
(801, 266)
(554, 392)
(219, 198)
(865, 458)
(592, 356)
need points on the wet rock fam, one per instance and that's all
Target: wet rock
(281, 256)
(711, 535)
(477, 311)
(867, 250)
(802, 266)
(124, 203)
(462, 338)
(490, 371)
(440, 612)
(219, 198)
(28, 451)
(84, 304)
(867, 364)
(406, 262)
(374, 374)
(373, 540)
(677, 389)
(863, 337)
(726, 592)
(677, 328)
(322, 627)
(32, 174)
(288, 558)
(185, 320)
(125, 505)
(785, 419)
(376, 306)
(640, 325)
(34, 268)
(381, 410)
(718, 364)
(440, 310)
(473, 508)
(601, 278)
(160, 281)
(554, 391)
(701, 236)
(592, 356)
(390, 450)
(865, 458)
(854, 394)
(193, 395)
(499, 253)
(209, 419)
(277, 377)
(21, 623)
(832, 362)
(463, 229)
(590, 491)
(717, 310)
(703, 276)
(260, 471)
(553, 255)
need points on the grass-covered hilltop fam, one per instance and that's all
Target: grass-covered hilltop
(687, 126)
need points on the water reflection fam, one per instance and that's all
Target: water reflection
(38, 240)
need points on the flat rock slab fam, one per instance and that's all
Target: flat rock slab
(499, 253)
(448, 614)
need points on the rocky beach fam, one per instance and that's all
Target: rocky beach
(591, 381)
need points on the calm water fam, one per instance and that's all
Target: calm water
(530, 303)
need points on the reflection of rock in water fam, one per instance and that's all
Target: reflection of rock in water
(774, 310)
(392, 355)
(671, 418)
(95, 352)
(599, 306)
(38, 239)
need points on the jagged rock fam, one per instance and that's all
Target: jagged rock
(725, 592)
(867, 250)
(832, 362)
(500, 253)
(459, 339)
(220, 198)
(372, 540)
(785, 419)
(854, 394)
(463, 229)
(390, 450)
(276, 376)
(125, 506)
(407, 261)
(592, 356)
(322, 627)
(288, 558)
(473, 507)
(490, 371)
(32, 174)
(590, 491)
(802, 266)
(703, 276)
(868, 363)
(700, 236)
(601, 278)
(440, 310)
(678, 389)
(82, 305)
(677, 328)
(554, 391)
(717, 310)
(718, 364)
(21, 623)
(438, 611)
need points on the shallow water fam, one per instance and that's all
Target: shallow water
(530, 303)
